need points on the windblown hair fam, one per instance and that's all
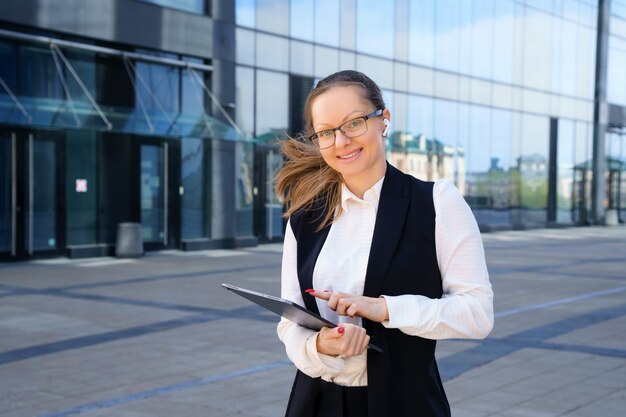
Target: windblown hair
(304, 180)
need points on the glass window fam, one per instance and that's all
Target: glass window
(194, 180)
(420, 120)
(244, 96)
(245, 46)
(447, 26)
(375, 31)
(566, 46)
(192, 96)
(465, 36)
(537, 49)
(462, 149)
(500, 168)
(422, 32)
(158, 88)
(402, 31)
(193, 6)
(8, 66)
(379, 70)
(272, 52)
(478, 159)
(272, 103)
(301, 19)
(586, 63)
(327, 22)
(273, 16)
(38, 73)
(326, 61)
(565, 171)
(616, 76)
(533, 169)
(301, 58)
(244, 194)
(245, 13)
(399, 113)
(347, 36)
(445, 139)
(482, 38)
(618, 8)
(503, 40)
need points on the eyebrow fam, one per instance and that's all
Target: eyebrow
(346, 118)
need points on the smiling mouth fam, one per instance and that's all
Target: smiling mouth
(350, 155)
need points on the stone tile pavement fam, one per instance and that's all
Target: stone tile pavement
(157, 336)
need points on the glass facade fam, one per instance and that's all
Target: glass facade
(89, 140)
(494, 95)
(472, 87)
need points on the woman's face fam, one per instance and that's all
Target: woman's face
(361, 158)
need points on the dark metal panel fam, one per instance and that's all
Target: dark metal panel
(600, 116)
(131, 22)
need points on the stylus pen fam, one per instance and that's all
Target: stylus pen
(374, 347)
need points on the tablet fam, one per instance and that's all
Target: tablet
(287, 309)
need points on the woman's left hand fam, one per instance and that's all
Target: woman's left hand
(374, 309)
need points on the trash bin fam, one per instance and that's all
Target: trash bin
(129, 243)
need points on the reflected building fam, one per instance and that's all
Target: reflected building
(167, 113)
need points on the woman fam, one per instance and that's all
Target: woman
(395, 261)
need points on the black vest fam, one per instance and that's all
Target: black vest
(404, 380)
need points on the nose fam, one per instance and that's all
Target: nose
(341, 139)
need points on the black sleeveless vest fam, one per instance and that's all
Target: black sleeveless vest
(404, 380)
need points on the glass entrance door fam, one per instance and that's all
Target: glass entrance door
(8, 243)
(30, 212)
(153, 178)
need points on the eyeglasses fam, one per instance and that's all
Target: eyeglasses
(352, 128)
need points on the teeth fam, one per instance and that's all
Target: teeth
(350, 155)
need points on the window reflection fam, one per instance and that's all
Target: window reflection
(301, 19)
(422, 32)
(447, 27)
(244, 194)
(245, 13)
(532, 166)
(327, 22)
(375, 31)
(273, 16)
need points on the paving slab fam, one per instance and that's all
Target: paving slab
(157, 336)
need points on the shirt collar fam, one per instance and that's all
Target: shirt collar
(371, 196)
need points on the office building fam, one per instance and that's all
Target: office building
(167, 112)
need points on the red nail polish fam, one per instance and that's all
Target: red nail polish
(326, 291)
(310, 290)
(340, 330)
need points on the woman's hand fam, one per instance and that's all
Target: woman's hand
(344, 340)
(374, 309)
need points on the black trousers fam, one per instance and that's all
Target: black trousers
(314, 397)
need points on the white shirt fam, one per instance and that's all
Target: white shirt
(465, 311)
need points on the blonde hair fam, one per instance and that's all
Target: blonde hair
(304, 179)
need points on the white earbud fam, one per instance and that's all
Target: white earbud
(387, 123)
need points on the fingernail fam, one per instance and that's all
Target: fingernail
(326, 291)
(340, 330)
(310, 290)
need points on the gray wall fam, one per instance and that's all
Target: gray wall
(123, 21)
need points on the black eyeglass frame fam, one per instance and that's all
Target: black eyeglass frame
(375, 113)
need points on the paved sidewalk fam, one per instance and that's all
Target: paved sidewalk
(158, 336)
